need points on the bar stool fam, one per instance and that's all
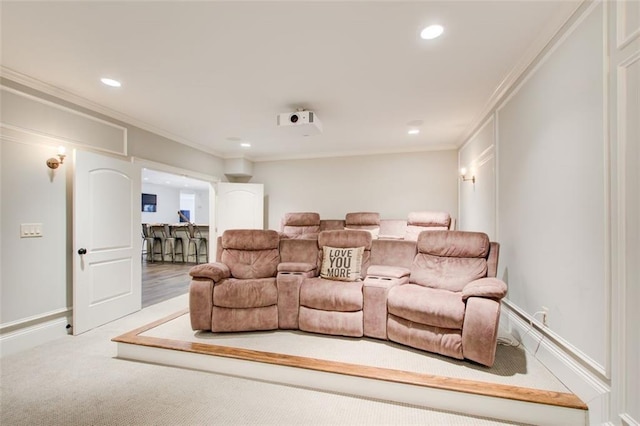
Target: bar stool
(172, 244)
(157, 231)
(150, 241)
(198, 241)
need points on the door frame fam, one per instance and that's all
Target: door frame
(212, 180)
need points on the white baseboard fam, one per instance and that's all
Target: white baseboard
(586, 384)
(32, 336)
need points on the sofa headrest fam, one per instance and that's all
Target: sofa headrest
(250, 239)
(331, 224)
(362, 218)
(301, 219)
(345, 239)
(454, 243)
(429, 219)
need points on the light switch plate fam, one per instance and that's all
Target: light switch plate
(30, 230)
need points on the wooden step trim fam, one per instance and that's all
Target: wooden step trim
(497, 390)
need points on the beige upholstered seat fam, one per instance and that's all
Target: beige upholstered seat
(451, 303)
(239, 293)
(427, 221)
(331, 305)
(366, 221)
(305, 225)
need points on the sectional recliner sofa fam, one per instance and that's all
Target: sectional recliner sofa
(307, 225)
(438, 293)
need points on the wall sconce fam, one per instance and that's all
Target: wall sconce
(53, 163)
(463, 176)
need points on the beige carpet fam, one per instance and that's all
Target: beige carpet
(78, 381)
(514, 366)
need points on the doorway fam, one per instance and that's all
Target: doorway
(180, 200)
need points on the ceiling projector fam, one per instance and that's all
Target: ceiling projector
(304, 123)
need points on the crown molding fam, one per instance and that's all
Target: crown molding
(338, 154)
(80, 101)
(548, 37)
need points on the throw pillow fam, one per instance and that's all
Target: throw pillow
(341, 264)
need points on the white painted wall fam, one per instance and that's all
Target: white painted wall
(201, 207)
(567, 192)
(159, 151)
(477, 208)
(34, 277)
(392, 185)
(551, 208)
(167, 204)
(188, 202)
(197, 202)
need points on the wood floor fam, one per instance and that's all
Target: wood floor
(163, 281)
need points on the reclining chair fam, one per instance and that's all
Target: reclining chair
(332, 302)
(366, 221)
(300, 225)
(427, 221)
(451, 302)
(239, 293)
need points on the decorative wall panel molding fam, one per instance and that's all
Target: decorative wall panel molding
(628, 22)
(38, 116)
(628, 291)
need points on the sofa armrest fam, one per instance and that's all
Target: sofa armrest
(492, 288)
(480, 329)
(379, 280)
(215, 271)
(296, 267)
(388, 271)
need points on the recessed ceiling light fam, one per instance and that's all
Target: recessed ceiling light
(431, 32)
(245, 145)
(110, 82)
(413, 131)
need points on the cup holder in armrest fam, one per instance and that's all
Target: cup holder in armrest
(373, 277)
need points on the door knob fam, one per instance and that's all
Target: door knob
(82, 251)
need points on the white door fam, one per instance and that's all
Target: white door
(239, 206)
(106, 240)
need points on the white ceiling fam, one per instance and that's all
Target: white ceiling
(214, 74)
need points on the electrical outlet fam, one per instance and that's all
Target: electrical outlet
(545, 315)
